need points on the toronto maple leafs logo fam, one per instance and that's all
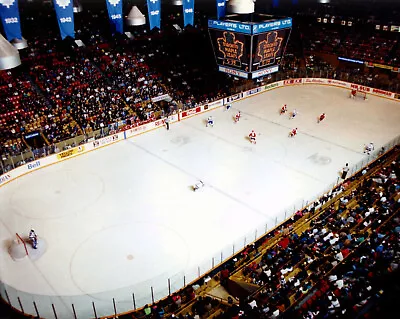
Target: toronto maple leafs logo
(7, 3)
(231, 49)
(268, 49)
(114, 2)
(63, 3)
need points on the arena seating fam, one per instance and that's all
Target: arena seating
(22, 109)
(362, 43)
(371, 47)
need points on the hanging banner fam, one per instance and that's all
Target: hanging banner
(9, 14)
(221, 6)
(275, 3)
(114, 8)
(188, 12)
(154, 7)
(65, 18)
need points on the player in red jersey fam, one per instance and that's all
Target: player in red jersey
(237, 117)
(252, 137)
(293, 132)
(283, 109)
(321, 117)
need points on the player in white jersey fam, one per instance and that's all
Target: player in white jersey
(210, 121)
(369, 148)
(33, 238)
(198, 185)
(293, 114)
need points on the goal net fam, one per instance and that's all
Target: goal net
(357, 94)
(18, 249)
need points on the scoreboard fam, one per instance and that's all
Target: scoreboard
(249, 49)
(231, 49)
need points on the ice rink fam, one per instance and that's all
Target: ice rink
(124, 218)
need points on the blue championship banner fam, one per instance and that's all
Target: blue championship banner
(114, 8)
(154, 7)
(188, 12)
(9, 14)
(65, 17)
(221, 6)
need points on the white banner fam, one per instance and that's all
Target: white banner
(257, 74)
(213, 105)
(232, 98)
(6, 178)
(163, 97)
(253, 91)
(108, 140)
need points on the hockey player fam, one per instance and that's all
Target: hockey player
(369, 148)
(198, 185)
(237, 117)
(283, 109)
(353, 94)
(293, 132)
(252, 137)
(293, 114)
(33, 238)
(321, 117)
(210, 121)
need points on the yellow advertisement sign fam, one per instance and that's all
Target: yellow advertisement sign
(70, 152)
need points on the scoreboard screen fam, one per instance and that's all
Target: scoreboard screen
(249, 49)
(231, 49)
(268, 48)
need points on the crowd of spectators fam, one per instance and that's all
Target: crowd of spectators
(80, 94)
(128, 71)
(334, 267)
(359, 42)
(21, 110)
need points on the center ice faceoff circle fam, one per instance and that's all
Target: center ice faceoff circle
(128, 255)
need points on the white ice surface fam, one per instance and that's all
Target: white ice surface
(124, 218)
